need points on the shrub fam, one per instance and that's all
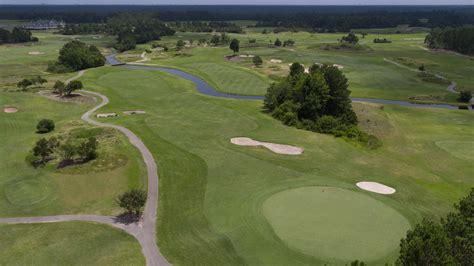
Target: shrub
(257, 61)
(465, 96)
(132, 201)
(45, 126)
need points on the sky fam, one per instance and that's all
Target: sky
(241, 2)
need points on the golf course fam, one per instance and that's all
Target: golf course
(225, 182)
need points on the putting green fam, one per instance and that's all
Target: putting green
(334, 223)
(27, 192)
(459, 149)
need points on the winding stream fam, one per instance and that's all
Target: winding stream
(204, 88)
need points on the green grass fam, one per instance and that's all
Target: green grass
(211, 191)
(70, 243)
(89, 188)
(369, 75)
(335, 224)
(460, 149)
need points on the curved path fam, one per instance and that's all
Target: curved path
(204, 88)
(144, 232)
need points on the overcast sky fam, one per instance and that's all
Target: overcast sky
(243, 2)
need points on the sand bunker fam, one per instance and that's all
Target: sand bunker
(106, 115)
(35, 53)
(10, 110)
(376, 187)
(276, 61)
(246, 55)
(276, 148)
(338, 66)
(135, 112)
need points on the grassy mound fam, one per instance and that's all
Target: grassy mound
(335, 223)
(459, 149)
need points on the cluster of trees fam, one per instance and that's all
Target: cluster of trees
(34, 81)
(76, 55)
(448, 243)
(65, 90)
(382, 40)
(318, 101)
(222, 39)
(459, 39)
(131, 30)
(350, 38)
(201, 26)
(17, 35)
(288, 42)
(69, 151)
(85, 28)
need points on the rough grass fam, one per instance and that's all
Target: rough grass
(211, 191)
(89, 188)
(69, 243)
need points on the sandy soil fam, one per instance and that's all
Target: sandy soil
(246, 55)
(276, 61)
(376, 187)
(102, 115)
(10, 110)
(134, 112)
(75, 97)
(276, 148)
(35, 53)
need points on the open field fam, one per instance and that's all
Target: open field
(211, 191)
(70, 243)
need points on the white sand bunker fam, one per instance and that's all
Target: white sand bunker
(376, 187)
(276, 61)
(246, 55)
(10, 110)
(35, 53)
(276, 148)
(106, 115)
(134, 112)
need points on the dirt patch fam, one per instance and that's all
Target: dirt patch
(35, 53)
(233, 58)
(75, 97)
(134, 112)
(276, 148)
(376, 187)
(10, 110)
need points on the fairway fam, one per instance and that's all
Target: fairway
(335, 223)
(460, 149)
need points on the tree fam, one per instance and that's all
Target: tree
(126, 43)
(296, 69)
(448, 243)
(465, 96)
(277, 42)
(132, 201)
(67, 151)
(73, 86)
(38, 80)
(45, 126)
(288, 42)
(422, 67)
(88, 150)
(24, 83)
(264, 31)
(43, 149)
(59, 87)
(257, 61)
(78, 55)
(179, 45)
(215, 39)
(234, 45)
(350, 38)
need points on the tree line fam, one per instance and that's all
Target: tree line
(17, 35)
(459, 39)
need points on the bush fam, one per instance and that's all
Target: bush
(45, 126)
(132, 201)
(465, 96)
(257, 61)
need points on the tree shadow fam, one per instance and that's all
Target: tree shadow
(127, 218)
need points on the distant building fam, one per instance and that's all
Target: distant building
(45, 25)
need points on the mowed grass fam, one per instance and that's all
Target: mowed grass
(211, 192)
(67, 243)
(369, 75)
(335, 223)
(89, 189)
